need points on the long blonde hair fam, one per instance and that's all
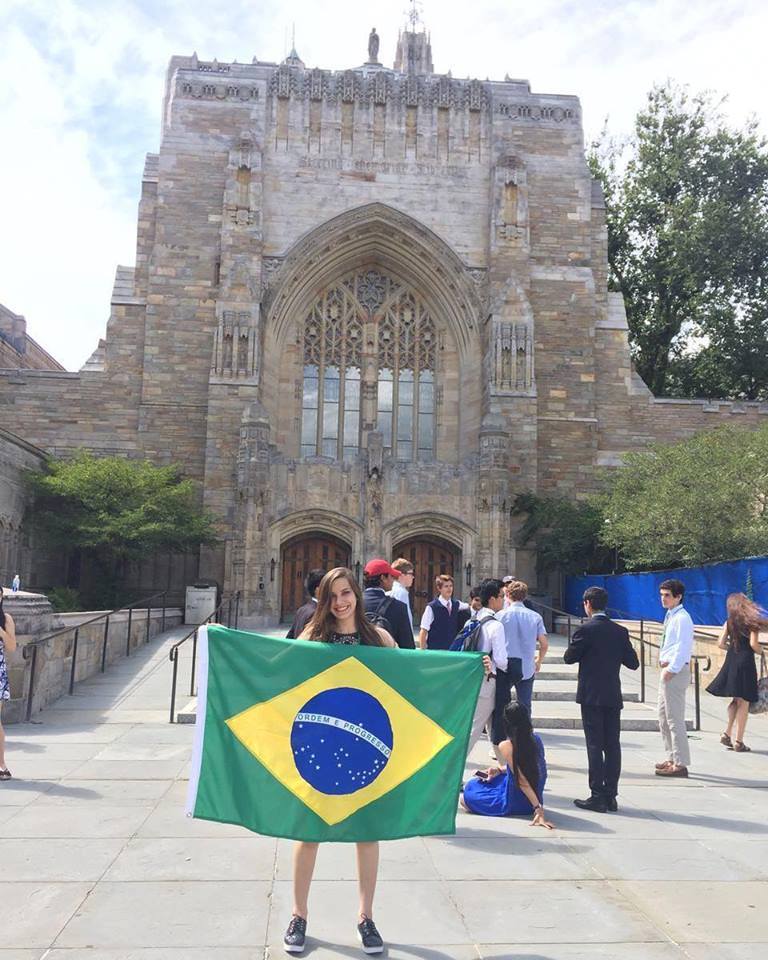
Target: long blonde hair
(323, 623)
(744, 617)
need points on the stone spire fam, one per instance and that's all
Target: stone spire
(293, 59)
(414, 47)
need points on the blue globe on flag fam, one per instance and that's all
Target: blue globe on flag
(341, 740)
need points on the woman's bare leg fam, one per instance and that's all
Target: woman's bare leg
(732, 708)
(367, 872)
(304, 856)
(2, 742)
(742, 713)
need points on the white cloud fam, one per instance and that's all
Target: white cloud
(83, 80)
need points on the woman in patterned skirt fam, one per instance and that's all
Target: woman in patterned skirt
(7, 645)
(339, 618)
(737, 678)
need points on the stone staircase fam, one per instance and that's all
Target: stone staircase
(554, 695)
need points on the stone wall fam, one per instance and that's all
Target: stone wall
(16, 555)
(34, 618)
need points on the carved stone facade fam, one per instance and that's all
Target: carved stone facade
(369, 306)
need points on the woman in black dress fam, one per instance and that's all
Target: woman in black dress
(737, 678)
(339, 618)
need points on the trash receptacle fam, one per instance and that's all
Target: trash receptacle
(200, 602)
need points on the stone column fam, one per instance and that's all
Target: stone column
(34, 618)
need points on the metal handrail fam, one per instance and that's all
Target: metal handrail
(624, 615)
(173, 654)
(29, 650)
(643, 641)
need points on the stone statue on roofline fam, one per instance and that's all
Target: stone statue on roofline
(373, 47)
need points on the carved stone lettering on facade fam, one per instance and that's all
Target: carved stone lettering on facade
(524, 111)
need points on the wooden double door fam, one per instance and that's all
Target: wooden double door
(430, 557)
(299, 557)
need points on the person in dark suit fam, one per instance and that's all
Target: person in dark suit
(601, 647)
(305, 613)
(389, 613)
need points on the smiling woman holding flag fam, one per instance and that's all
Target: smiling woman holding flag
(334, 736)
(339, 618)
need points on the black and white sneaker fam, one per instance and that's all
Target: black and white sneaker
(296, 935)
(370, 936)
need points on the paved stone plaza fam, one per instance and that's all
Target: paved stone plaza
(98, 861)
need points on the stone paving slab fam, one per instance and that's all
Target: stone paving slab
(36, 822)
(56, 860)
(563, 911)
(148, 953)
(202, 858)
(123, 792)
(703, 911)
(579, 951)
(98, 769)
(178, 914)
(33, 914)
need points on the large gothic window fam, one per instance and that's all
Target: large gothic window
(403, 354)
(333, 339)
(406, 387)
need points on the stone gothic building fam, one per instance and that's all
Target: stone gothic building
(369, 307)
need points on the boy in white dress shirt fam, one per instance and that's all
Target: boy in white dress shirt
(492, 642)
(674, 657)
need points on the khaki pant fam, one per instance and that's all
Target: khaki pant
(483, 711)
(672, 716)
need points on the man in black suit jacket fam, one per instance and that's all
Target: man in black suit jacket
(601, 647)
(305, 613)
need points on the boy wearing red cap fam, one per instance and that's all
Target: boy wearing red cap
(378, 578)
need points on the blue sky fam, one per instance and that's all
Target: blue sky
(81, 85)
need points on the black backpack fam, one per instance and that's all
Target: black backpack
(378, 617)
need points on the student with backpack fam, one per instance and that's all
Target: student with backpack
(383, 611)
(487, 638)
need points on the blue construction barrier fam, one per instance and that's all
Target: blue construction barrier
(706, 589)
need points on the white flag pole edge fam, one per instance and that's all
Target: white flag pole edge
(202, 702)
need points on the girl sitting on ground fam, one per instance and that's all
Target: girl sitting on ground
(518, 786)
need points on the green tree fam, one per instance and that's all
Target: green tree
(566, 533)
(687, 213)
(112, 510)
(696, 501)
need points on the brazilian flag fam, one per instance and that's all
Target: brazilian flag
(315, 741)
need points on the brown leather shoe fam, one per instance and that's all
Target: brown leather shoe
(672, 771)
(663, 765)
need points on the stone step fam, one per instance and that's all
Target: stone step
(569, 696)
(189, 713)
(566, 716)
(545, 674)
(642, 724)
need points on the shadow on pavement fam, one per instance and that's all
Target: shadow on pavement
(49, 789)
(422, 953)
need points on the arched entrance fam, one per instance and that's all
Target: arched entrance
(430, 557)
(301, 555)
